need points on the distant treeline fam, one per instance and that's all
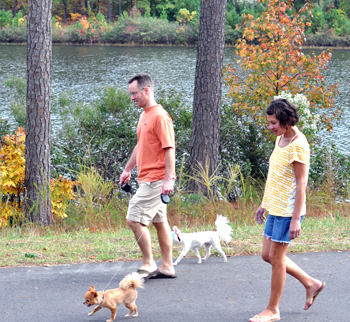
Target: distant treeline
(163, 21)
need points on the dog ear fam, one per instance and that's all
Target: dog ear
(176, 230)
(92, 288)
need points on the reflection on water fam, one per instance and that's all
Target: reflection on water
(81, 68)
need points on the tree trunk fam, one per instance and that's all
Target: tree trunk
(39, 56)
(65, 12)
(14, 7)
(109, 12)
(120, 8)
(204, 143)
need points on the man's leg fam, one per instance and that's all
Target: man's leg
(145, 245)
(166, 247)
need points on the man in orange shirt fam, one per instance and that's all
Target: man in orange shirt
(154, 156)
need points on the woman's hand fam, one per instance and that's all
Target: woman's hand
(294, 229)
(260, 215)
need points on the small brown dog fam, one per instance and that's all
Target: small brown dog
(126, 293)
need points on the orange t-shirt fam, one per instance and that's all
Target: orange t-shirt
(155, 133)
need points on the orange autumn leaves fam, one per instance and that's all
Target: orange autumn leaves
(272, 61)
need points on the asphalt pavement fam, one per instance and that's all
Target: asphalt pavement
(211, 291)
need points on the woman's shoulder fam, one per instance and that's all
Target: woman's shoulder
(301, 142)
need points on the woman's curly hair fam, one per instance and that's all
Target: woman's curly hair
(285, 111)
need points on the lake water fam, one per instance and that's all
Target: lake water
(81, 68)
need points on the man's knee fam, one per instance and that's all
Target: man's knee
(162, 226)
(133, 224)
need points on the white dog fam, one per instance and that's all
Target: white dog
(206, 238)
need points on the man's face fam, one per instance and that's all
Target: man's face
(139, 96)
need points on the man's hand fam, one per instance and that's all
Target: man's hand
(168, 187)
(125, 177)
(294, 229)
(260, 215)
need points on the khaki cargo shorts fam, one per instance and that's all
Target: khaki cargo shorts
(146, 206)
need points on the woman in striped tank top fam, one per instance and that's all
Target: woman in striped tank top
(284, 203)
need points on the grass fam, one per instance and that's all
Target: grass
(96, 230)
(30, 246)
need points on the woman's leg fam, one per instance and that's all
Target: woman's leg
(311, 285)
(275, 254)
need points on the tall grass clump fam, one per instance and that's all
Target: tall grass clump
(98, 204)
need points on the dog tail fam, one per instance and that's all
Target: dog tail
(223, 228)
(133, 280)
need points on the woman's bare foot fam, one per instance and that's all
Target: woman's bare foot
(266, 316)
(312, 293)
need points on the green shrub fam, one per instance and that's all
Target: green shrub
(4, 127)
(101, 133)
(12, 34)
(17, 97)
(100, 17)
(233, 18)
(345, 29)
(330, 167)
(5, 18)
(150, 31)
(60, 35)
(327, 39)
(232, 35)
(242, 143)
(318, 20)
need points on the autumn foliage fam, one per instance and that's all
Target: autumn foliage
(11, 175)
(272, 61)
(12, 171)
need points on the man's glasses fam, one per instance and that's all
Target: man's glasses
(135, 93)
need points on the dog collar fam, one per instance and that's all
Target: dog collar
(103, 297)
(177, 235)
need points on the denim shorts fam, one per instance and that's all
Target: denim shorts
(277, 228)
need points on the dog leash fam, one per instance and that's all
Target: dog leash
(121, 264)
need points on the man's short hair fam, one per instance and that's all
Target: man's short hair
(143, 80)
(285, 111)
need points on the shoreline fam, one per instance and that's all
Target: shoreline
(152, 45)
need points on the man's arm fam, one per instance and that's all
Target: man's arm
(168, 185)
(125, 176)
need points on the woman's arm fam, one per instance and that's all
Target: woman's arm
(300, 170)
(260, 215)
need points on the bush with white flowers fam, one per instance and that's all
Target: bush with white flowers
(308, 122)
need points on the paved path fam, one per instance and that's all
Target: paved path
(208, 292)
